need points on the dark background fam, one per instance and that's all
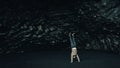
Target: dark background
(35, 25)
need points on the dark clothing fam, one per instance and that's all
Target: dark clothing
(72, 41)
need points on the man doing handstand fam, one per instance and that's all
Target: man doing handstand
(73, 48)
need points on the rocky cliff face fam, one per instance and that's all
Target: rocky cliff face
(25, 26)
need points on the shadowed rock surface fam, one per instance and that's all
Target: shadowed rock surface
(45, 25)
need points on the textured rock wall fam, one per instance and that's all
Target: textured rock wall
(38, 26)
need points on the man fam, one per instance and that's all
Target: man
(73, 48)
